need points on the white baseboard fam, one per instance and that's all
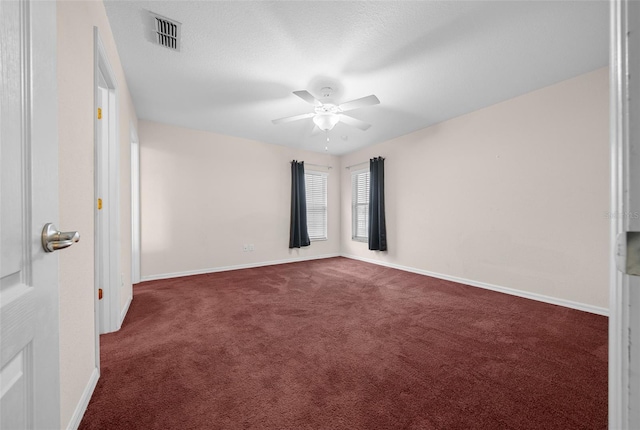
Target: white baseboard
(123, 314)
(81, 408)
(527, 295)
(236, 267)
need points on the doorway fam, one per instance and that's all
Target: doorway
(107, 210)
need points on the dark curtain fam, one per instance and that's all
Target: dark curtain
(377, 224)
(298, 234)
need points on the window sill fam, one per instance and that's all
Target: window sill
(319, 239)
(360, 239)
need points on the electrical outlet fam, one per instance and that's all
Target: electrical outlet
(245, 248)
(251, 247)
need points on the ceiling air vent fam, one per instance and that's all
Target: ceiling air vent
(167, 32)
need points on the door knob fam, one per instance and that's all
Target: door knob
(52, 239)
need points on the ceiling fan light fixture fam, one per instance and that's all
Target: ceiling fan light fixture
(327, 115)
(326, 122)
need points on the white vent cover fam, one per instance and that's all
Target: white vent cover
(167, 32)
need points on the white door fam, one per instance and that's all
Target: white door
(29, 351)
(624, 303)
(102, 233)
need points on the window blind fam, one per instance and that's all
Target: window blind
(316, 190)
(360, 205)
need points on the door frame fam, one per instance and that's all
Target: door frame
(135, 205)
(624, 306)
(110, 255)
(41, 120)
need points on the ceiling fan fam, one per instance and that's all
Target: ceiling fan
(327, 115)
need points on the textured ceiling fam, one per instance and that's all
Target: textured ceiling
(427, 61)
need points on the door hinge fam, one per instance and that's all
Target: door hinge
(99, 293)
(99, 113)
(628, 252)
(99, 204)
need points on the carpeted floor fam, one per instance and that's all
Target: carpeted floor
(342, 344)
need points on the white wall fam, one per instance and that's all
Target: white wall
(204, 195)
(76, 166)
(514, 195)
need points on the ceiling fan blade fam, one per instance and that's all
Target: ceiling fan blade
(307, 97)
(293, 118)
(349, 120)
(358, 103)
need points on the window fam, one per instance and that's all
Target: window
(315, 184)
(360, 205)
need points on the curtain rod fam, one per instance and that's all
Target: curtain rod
(354, 165)
(318, 165)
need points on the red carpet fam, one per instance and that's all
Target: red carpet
(341, 344)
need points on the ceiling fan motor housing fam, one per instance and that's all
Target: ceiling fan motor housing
(328, 108)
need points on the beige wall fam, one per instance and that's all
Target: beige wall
(514, 195)
(76, 166)
(204, 195)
